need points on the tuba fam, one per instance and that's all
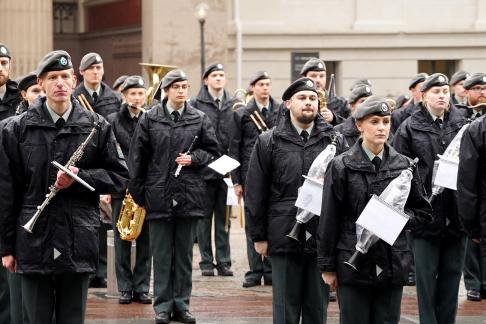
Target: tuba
(155, 74)
(130, 221)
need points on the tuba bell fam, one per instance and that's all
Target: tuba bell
(130, 221)
(155, 74)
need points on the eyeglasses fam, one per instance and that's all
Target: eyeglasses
(178, 86)
(478, 89)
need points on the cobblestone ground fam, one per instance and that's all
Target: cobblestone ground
(222, 300)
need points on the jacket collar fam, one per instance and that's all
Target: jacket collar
(252, 105)
(38, 115)
(422, 120)
(349, 127)
(158, 113)
(286, 130)
(357, 159)
(206, 97)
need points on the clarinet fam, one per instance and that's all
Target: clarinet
(179, 167)
(75, 157)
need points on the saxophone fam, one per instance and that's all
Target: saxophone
(130, 221)
(322, 101)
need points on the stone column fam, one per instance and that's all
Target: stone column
(26, 28)
(171, 35)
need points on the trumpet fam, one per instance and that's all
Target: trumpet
(53, 190)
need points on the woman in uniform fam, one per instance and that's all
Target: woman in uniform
(373, 292)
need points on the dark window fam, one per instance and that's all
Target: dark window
(447, 67)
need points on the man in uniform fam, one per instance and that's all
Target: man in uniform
(245, 134)
(9, 94)
(337, 111)
(99, 95)
(55, 260)
(399, 115)
(475, 105)
(171, 145)
(104, 101)
(278, 161)
(458, 93)
(348, 127)
(470, 190)
(131, 285)
(216, 103)
(9, 100)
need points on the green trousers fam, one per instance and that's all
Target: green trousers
(15, 284)
(216, 191)
(171, 243)
(63, 296)
(137, 281)
(369, 305)
(298, 290)
(474, 267)
(4, 297)
(438, 268)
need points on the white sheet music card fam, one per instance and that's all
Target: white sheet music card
(224, 164)
(382, 220)
(231, 198)
(310, 196)
(447, 173)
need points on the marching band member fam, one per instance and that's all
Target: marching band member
(279, 159)
(373, 293)
(348, 128)
(244, 135)
(55, 260)
(470, 190)
(131, 284)
(439, 247)
(216, 103)
(29, 90)
(169, 135)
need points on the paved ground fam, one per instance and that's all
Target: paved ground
(222, 300)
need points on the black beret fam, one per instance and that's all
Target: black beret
(118, 82)
(459, 76)
(360, 82)
(27, 81)
(133, 81)
(475, 79)
(358, 92)
(4, 52)
(88, 60)
(260, 75)
(373, 105)
(314, 64)
(54, 61)
(401, 100)
(173, 76)
(301, 84)
(213, 67)
(434, 80)
(417, 79)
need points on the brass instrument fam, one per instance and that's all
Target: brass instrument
(155, 74)
(481, 104)
(85, 103)
(53, 190)
(257, 119)
(130, 221)
(322, 101)
(241, 98)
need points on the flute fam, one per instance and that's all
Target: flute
(179, 167)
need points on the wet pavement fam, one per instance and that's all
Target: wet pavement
(222, 300)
